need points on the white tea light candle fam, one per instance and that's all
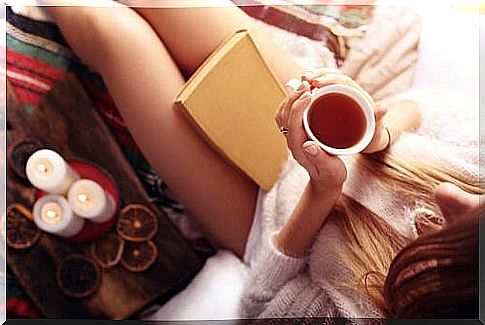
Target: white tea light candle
(89, 200)
(48, 171)
(53, 214)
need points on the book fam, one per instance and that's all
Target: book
(232, 99)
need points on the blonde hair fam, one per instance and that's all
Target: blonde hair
(372, 242)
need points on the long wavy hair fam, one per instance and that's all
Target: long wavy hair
(437, 275)
(374, 244)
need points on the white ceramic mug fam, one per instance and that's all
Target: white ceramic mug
(364, 103)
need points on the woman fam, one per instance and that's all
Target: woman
(313, 251)
(444, 263)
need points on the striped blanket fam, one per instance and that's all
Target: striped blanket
(37, 57)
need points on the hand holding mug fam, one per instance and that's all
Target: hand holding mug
(327, 172)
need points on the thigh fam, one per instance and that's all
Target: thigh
(191, 34)
(143, 80)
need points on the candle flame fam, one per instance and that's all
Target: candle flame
(51, 214)
(42, 168)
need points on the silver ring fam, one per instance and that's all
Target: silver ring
(284, 130)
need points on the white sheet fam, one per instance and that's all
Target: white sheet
(448, 65)
(213, 294)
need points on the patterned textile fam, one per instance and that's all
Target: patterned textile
(350, 16)
(37, 57)
(330, 24)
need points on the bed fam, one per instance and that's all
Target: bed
(445, 62)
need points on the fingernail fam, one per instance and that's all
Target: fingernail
(383, 110)
(311, 149)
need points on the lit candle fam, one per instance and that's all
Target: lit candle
(89, 200)
(48, 171)
(53, 214)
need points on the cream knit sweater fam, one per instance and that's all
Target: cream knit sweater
(282, 286)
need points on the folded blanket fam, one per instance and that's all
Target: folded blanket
(384, 61)
(378, 48)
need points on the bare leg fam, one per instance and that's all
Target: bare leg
(143, 80)
(191, 34)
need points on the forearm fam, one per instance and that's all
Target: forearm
(297, 235)
(402, 116)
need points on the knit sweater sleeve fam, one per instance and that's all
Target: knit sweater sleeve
(270, 272)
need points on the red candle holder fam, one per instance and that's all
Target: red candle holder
(92, 230)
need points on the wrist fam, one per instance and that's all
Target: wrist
(297, 234)
(324, 192)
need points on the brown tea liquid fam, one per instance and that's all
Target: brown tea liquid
(337, 121)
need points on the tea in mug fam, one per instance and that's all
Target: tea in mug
(337, 121)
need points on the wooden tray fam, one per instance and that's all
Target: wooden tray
(67, 122)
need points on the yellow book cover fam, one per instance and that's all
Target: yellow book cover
(232, 98)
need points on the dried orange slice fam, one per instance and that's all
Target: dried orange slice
(19, 152)
(21, 230)
(78, 276)
(137, 223)
(107, 251)
(139, 256)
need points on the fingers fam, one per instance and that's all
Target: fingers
(331, 79)
(304, 87)
(379, 113)
(290, 116)
(312, 74)
(297, 134)
(324, 169)
(342, 79)
(454, 202)
(315, 156)
(327, 76)
(282, 115)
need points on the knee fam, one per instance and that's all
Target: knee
(93, 32)
(83, 30)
